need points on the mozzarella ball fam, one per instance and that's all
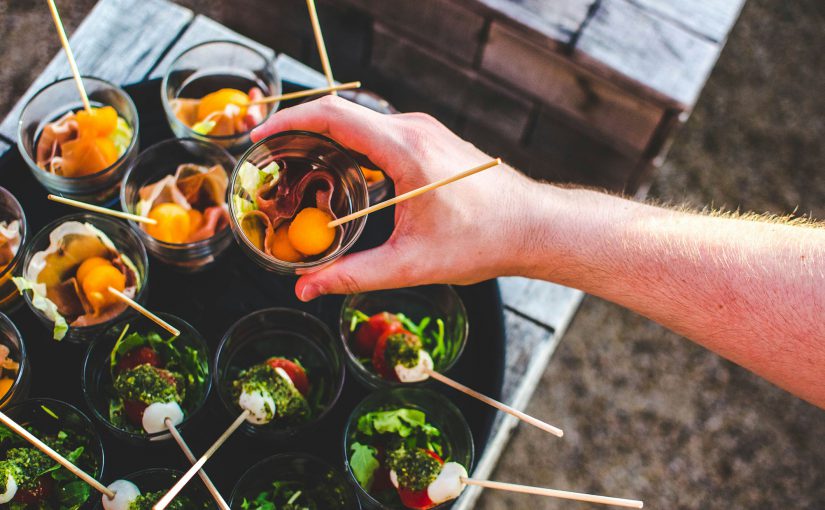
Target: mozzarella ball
(11, 489)
(418, 372)
(125, 494)
(448, 484)
(394, 478)
(260, 404)
(154, 417)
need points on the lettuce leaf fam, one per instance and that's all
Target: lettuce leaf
(44, 304)
(401, 422)
(204, 127)
(363, 463)
(121, 136)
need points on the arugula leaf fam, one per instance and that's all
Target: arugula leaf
(355, 317)
(73, 495)
(402, 422)
(6, 434)
(363, 463)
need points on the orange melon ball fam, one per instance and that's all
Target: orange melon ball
(96, 286)
(88, 265)
(217, 101)
(282, 249)
(5, 386)
(195, 219)
(309, 233)
(174, 224)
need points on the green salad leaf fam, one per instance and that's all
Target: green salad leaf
(401, 422)
(121, 136)
(363, 463)
(204, 127)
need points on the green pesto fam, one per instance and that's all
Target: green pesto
(27, 464)
(415, 469)
(149, 385)
(290, 405)
(147, 501)
(402, 349)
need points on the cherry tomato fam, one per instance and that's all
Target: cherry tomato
(140, 356)
(41, 490)
(369, 332)
(134, 411)
(418, 500)
(294, 371)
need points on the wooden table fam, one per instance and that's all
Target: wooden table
(536, 313)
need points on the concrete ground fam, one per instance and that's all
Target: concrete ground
(647, 413)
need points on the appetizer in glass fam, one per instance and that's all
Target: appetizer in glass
(141, 490)
(182, 184)
(283, 367)
(293, 481)
(29, 479)
(397, 336)
(285, 190)
(80, 154)
(13, 233)
(70, 265)
(14, 365)
(209, 92)
(135, 376)
(407, 448)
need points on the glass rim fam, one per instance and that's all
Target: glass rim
(24, 358)
(83, 218)
(23, 237)
(144, 436)
(360, 223)
(220, 352)
(129, 149)
(144, 236)
(344, 333)
(270, 62)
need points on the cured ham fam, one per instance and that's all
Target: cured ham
(9, 242)
(225, 112)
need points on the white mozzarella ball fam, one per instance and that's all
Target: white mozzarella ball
(154, 417)
(418, 372)
(260, 404)
(394, 478)
(11, 489)
(448, 484)
(125, 494)
(280, 371)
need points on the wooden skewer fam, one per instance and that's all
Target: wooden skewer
(306, 93)
(526, 418)
(43, 447)
(103, 210)
(68, 49)
(319, 40)
(413, 193)
(553, 493)
(143, 311)
(188, 453)
(181, 483)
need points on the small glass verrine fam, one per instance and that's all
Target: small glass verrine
(13, 237)
(142, 342)
(443, 335)
(263, 211)
(276, 480)
(15, 374)
(155, 482)
(53, 102)
(180, 162)
(281, 334)
(207, 68)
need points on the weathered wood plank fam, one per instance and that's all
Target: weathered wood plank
(5, 146)
(200, 30)
(546, 303)
(710, 18)
(299, 73)
(659, 54)
(120, 41)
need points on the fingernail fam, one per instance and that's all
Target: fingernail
(309, 292)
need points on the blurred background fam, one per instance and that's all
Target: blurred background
(646, 413)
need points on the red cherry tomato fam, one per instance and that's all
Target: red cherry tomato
(41, 490)
(134, 411)
(369, 332)
(294, 371)
(140, 356)
(379, 360)
(418, 500)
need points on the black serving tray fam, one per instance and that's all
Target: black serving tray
(212, 301)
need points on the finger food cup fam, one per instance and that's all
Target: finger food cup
(53, 101)
(436, 301)
(306, 472)
(315, 149)
(162, 479)
(11, 210)
(457, 440)
(208, 67)
(152, 165)
(96, 377)
(127, 243)
(10, 337)
(286, 333)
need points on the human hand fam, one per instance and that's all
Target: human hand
(465, 232)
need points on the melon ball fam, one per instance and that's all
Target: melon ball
(309, 233)
(282, 248)
(218, 100)
(96, 285)
(174, 223)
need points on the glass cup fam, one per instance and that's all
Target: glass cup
(285, 333)
(48, 417)
(211, 66)
(10, 210)
(18, 389)
(126, 242)
(157, 162)
(313, 149)
(96, 378)
(52, 102)
(456, 438)
(321, 483)
(435, 301)
(161, 480)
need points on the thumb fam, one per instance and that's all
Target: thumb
(378, 268)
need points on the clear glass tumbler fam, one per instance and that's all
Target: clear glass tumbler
(10, 211)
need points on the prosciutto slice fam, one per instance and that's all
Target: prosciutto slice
(232, 120)
(55, 134)
(280, 200)
(9, 242)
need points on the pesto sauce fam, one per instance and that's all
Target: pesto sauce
(149, 385)
(415, 469)
(26, 465)
(402, 349)
(290, 404)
